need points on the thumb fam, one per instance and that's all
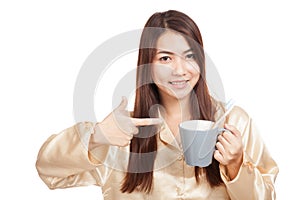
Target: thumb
(123, 104)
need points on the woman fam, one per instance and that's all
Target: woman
(139, 155)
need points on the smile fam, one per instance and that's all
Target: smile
(179, 84)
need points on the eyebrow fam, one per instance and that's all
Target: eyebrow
(171, 53)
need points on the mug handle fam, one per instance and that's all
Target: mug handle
(220, 130)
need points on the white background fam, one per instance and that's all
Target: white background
(43, 44)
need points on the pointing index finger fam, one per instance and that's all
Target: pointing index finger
(146, 121)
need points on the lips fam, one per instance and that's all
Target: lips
(179, 83)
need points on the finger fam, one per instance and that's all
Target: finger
(224, 142)
(233, 129)
(124, 143)
(128, 135)
(123, 104)
(229, 137)
(218, 156)
(220, 148)
(134, 130)
(129, 129)
(146, 121)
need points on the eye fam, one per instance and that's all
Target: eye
(190, 56)
(165, 59)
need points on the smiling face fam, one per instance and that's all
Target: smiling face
(174, 69)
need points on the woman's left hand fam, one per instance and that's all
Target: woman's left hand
(229, 150)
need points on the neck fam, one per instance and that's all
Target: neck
(176, 109)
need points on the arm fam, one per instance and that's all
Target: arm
(256, 176)
(85, 154)
(64, 160)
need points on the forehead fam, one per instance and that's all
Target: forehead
(173, 42)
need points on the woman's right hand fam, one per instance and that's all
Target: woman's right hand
(118, 127)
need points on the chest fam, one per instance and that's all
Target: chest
(172, 180)
(173, 126)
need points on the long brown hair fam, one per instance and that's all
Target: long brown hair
(140, 167)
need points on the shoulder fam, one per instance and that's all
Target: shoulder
(239, 118)
(239, 112)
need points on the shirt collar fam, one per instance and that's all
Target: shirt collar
(166, 135)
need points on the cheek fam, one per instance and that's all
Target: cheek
(194, 71)
(160, 73)
(194, 68)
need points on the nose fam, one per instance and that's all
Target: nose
(179, 67)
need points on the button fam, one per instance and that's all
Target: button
(180, 158)
(179, 191)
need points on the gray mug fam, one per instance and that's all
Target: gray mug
(198, 140)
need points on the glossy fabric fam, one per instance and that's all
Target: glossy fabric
(64, 161)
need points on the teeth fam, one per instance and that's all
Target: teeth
(178, 82)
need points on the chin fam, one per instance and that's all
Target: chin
(181, 96)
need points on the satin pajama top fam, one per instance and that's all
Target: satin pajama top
(64, 161)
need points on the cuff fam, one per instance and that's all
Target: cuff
(85, 130)
(239, 187)
(246, 169)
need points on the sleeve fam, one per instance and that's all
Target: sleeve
(64, 160)
(257, 174)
